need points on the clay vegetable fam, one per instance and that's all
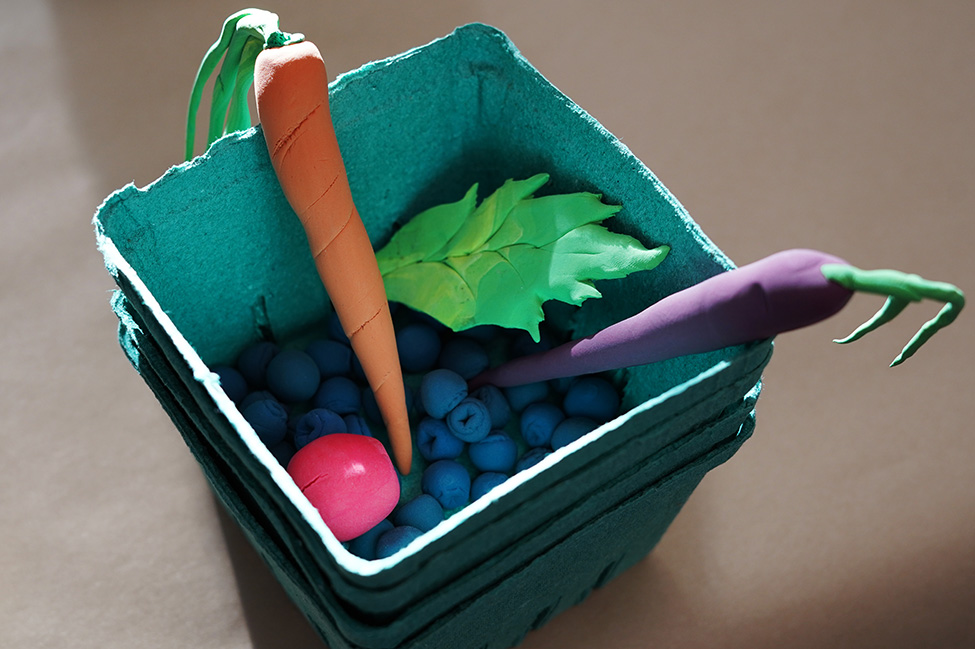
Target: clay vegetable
(495, 263)
(784, 291)
(291, 88)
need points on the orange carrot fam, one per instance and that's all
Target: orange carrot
(292, 103)
(291, 86)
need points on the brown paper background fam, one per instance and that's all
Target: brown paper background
(847, 521)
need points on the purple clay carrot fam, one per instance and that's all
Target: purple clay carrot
(782, 292)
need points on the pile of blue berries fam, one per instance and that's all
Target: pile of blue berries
(468, 442)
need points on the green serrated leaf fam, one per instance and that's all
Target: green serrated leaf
(594, 252)
(540, 221)
(421, 238)
(435, 289)
(490, 215)
(499, 262)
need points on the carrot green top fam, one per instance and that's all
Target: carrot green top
(901, 289)
(242, 38)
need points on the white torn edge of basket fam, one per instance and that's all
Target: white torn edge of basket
(368, 568)
(211, 382)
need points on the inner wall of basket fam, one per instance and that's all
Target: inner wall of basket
(219, 247)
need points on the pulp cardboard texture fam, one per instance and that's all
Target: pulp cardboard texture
(210, 258)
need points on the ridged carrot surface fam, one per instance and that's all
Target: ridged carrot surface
(291, 86)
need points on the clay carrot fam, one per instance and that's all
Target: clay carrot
(291, 88)
(784, 291)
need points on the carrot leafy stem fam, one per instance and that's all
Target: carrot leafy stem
(243, 36)
(496, 263)
(901, 289)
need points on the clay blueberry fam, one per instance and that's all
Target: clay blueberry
(339, 394)
(317, 423)
(292, 376)
(269, 420)
(419, 346)
(232, 382)
(364, 545)
(440, 391)
(395, 540)
(253, 362)
(495, 453)
(531, 458)
(448, 482)
(435, 441)
(465, 356)
(356, 424)
(333, 358)
(538, 421)
(258, 395)
(470, 420)
(496, 404)
(485, 482)
(423, 512)
(592, 397)
(570, 429)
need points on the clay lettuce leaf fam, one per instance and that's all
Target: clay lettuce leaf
(496, 263)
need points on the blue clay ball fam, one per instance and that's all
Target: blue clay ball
(252, 397)
(355, 424)
(232, 382)
(592, 397)
(435, 441)
(293, 376)
(423, 512)
(335, 329)
(253, 361)
(269, 420)
(394, 540)
(496, 403)
(418, 346)
(521, 396)
(440, 392)
(364, 546)
(465, 356)
(571, 429)
(339, 394)
(531, 458)
(333, 358)
(538, 422)
(448, 482)
(470, 420)
(317, 423)
(485, 482)
(495, 453)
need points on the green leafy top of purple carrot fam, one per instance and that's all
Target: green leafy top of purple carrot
(901, 289)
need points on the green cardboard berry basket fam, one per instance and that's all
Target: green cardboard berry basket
(210, 258)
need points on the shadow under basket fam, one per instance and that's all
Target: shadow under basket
(210, 258)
